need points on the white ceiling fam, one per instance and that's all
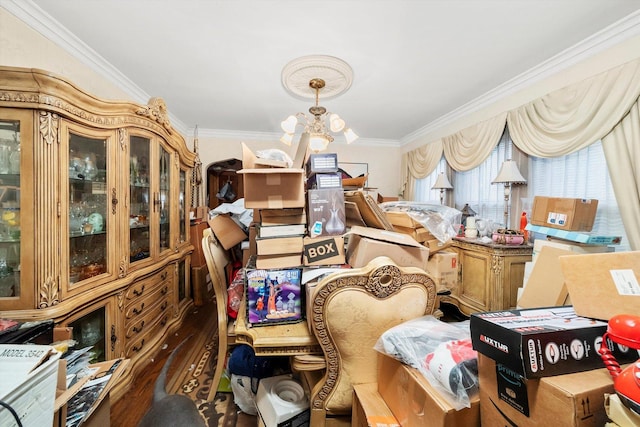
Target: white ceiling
(217, 63)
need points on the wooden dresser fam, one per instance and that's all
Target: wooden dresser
(489, 275)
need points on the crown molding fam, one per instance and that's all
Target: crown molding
(36, 18)
(615, 33)
(273, 136)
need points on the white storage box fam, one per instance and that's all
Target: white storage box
(30, 392)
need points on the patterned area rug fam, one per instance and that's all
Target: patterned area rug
(193, 378)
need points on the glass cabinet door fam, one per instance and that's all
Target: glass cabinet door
(163, 201)
(88, 254)
(139, 196)
(182, 206)
(14, 131)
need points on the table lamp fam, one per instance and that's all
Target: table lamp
(442, 183)
(508, 175)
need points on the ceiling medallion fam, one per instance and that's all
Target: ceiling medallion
(336, 74)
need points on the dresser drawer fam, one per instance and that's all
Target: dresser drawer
(150, 317)
(146, 336)
(143, 287)
(135, 309)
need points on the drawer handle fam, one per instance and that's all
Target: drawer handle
(164, 275)
(138, 330)
(136, 311)
(164, 290)
(136, 348)
(164, 321)
(164, 305)
(139, 292)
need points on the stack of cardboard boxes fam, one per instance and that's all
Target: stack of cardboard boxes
(539, 364)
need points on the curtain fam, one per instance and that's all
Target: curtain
(622, 150)
(419, 164)
(575, 116)
(470, 147)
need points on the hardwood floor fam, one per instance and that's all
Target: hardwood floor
(129, 410)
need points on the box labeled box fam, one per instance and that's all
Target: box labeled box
(564, 213)
(323, 250)
(542, 342)
(572, 400)
(326, 212)
(366, 243)
(273, 296)
(415, 403)
(272, 187)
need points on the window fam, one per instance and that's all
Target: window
(583, 174)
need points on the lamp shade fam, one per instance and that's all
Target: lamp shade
(350, 135)
(509, 173)
(442, 182)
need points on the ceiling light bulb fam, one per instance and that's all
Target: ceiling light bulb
(350, 135)
(289, 125)
(336, 124)
(287, 139)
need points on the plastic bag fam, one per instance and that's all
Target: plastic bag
(441, 221)
(235, 292)
(427, 343)
(275, 154)
(243, 396)
(226, 193)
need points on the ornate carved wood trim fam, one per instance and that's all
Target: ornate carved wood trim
(156, 110)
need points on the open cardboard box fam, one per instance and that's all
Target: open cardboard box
(603, 285)
(269, 187)
(367, 243)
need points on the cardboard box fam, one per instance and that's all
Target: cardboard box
(273, 296)
(436, 245)
(402, 219)
(326, 212)
(279, 261)
(603, 285)
(323, 250)
(572, 400)
(227, 231)
(369, 409)
(269, 217)
(415, 403)
(272, 188)
(564, 213)
(366, 243)
(545, 286)
(443, 266)
(542, 342)
(279, 245)
(421, 234)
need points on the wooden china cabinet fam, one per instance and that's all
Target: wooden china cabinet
(94, 215)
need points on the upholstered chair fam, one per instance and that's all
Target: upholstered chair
(217, 259)
(349, 311)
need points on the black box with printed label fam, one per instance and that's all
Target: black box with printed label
(542, 342)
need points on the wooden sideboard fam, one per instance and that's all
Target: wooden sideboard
(489, 275)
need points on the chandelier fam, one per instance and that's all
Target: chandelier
(318, 126)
